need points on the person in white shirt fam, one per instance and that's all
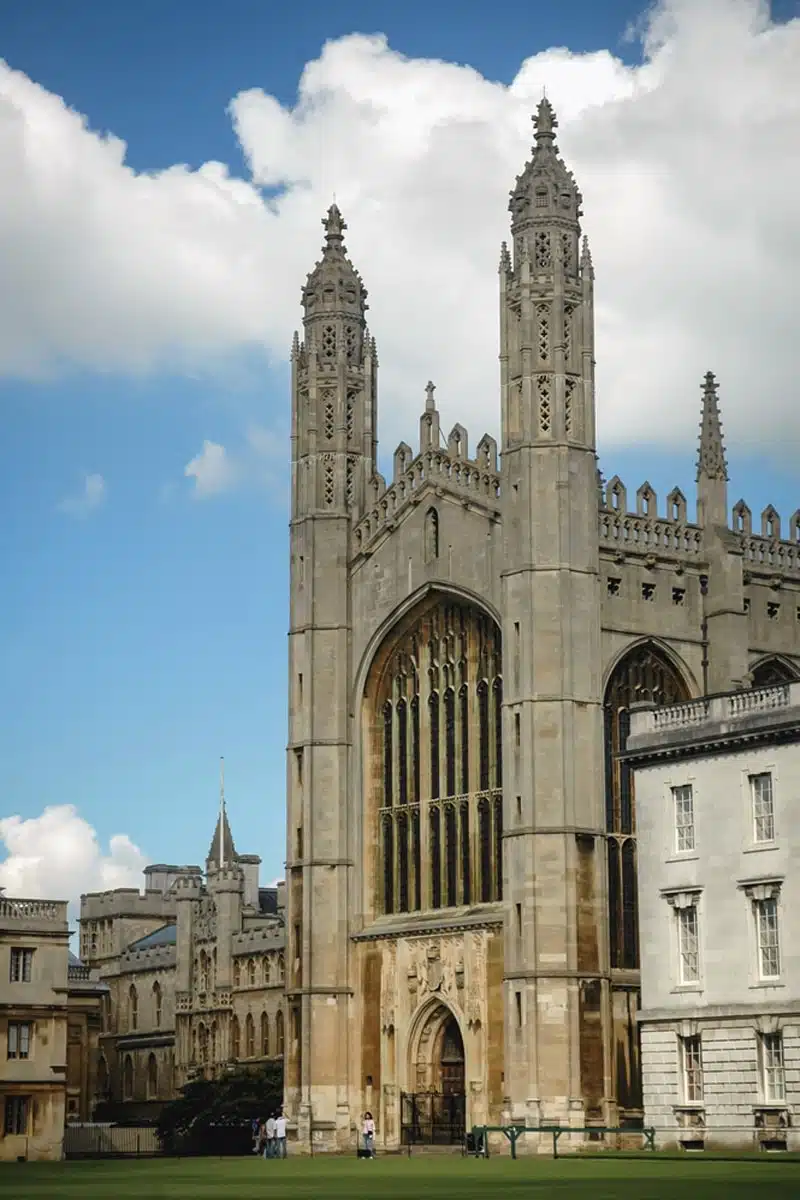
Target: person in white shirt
(368, 1134)
(269, 1138)
(280, 1137)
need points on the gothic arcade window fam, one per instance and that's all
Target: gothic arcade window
(152, 1077)
(127, 1078)
(264, 1035)
(133, 1008)
(643, 674)
(249, 1036)
(438, 770)
(157, 1005)
(279, 1035)
(236, 1039)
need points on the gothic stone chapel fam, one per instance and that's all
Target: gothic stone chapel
(465, 644)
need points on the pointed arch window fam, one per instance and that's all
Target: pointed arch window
(388, 768)
(402, 752)
(433, 724)
(249, 1036)
(497, 719)
(251, 972)
(133, 1007)
(415, 751)
(127, 1078)
(431, 535)
(236, 1039)
(424, 781)
(237, 973)
(279, 1034)
(152, 1078)
(772, 672)
(463, 723)
(483, 735)
(450, 741)
(264, 1035)
(644, 673)
(157, 1005)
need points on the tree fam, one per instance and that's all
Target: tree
(214, 1116)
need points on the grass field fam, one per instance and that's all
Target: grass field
(402, 1179)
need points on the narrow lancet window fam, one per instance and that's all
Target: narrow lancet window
(450, 741)
(388, 765)
(433, 716)
(402, 752)
(463, 703)
(497, 697)
(483, 735)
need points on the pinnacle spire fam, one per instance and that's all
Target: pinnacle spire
(222, 851)
(711, 462)
(545, 122)
(335, 225)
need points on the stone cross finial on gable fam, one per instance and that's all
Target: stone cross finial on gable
(430, 403)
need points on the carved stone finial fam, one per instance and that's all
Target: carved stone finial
(430, 403)
(335, 225)
(545, 122)
(711, 456)
(505, 258)
(586, 254)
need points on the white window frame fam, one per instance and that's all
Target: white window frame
(768, 821)
(20, 967)
(680, 792)
(683, 916)
(692, 1069)
(20, 1040)
(773, 1068)
(761, 907)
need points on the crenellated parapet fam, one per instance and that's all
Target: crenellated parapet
(767, 553)
(152, 959)
(643, 531)
(435, 466)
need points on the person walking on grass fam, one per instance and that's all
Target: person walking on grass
(280, 1136)
(368, 1134)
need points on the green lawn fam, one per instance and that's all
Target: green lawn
(612, 1178)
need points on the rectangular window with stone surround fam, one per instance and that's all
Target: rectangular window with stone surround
(692, 1069)
(683, 800)
(688, 944)
(773, 1079)
(763, 807)
(768, 938)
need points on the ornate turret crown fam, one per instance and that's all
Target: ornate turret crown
(545, 188)
(334, 286)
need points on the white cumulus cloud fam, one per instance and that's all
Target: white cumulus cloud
(91, 496)
(212, 470)
(688, 163)
(58, 856)
(216, 470)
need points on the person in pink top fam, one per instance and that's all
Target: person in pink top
(368, 1134)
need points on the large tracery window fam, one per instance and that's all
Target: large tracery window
(437, 712)
(643, 674)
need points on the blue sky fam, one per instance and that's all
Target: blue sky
(141, 641)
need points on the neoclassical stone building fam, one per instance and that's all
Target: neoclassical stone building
(465, 643)
(195, 970)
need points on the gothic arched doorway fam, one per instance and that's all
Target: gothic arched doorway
(644, 673)
(435, 1112)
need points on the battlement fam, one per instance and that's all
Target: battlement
(259, 941)
(476, 480)
(152, 958)
(644, 531)
(125, 902)
(30, 915)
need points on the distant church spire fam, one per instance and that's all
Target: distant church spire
(711, 462)
(222, 851)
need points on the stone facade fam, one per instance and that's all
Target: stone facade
(195, 971)
(718, 803)
(50, 1011)
(465, 642)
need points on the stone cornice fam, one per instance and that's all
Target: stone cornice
(429, 927)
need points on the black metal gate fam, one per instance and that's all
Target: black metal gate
(432, 1119)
